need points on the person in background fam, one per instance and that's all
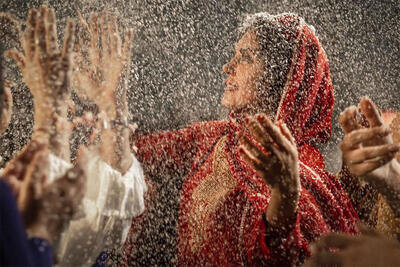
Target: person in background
(113, 195)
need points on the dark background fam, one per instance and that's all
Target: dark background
(180, 47)
(176, 78)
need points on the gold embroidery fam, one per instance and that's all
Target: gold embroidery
(209, 195)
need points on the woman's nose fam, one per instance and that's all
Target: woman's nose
(228, 68)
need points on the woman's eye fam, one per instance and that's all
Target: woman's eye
(246, 58)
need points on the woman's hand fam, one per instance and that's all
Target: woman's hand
(57, 203)
(45, 209)
(275, 159)
(101, 59)
(368, 152)
(45, 68)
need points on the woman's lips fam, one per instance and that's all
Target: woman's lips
(230, 88)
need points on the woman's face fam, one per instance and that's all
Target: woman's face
(244, 71)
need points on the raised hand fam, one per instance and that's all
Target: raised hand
(276, 162)
(367, 151)
(45, 68)
(101, 59)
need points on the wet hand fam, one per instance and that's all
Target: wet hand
(276, 161)
(101, 59)
(273, 155)
(368, 152)
(45, 68)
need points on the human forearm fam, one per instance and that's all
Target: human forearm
(115, 148)
(52, 127)
(281, 211)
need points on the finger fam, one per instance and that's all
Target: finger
(29, 35)
(367, 153)
(51, 32)
(40, 35)
(18, 57)
(250, 159)
(34, 178)
(69, 39)
(252, 148)
(127, 48)
(348, 120)
(259, 133)
(115, 38)
(286, 132)
(13, 182)
(83, 22)
(371, 112)
(275, 132)
(357, 137)
(105, 34)
(94, 40)
(83, 34)
(364, 168)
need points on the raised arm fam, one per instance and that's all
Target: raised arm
(277, 164)
(369, 152)
(46, 70)
(101, 73)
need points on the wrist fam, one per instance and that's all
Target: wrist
(282, 207)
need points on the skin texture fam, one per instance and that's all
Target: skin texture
(244, 71)
(368, 249)
(101, 60)
(280, 167)
(46, 70)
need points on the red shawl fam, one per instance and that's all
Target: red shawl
(223, 200)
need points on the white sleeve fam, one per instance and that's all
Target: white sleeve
(110, 202)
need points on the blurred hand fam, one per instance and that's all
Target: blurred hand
(58, 202)
(45, 209)
(368, 249)
(45, 69)
(367, 151)
(276, 162)
(101, 59)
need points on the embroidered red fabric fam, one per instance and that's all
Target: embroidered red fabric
(233, 231)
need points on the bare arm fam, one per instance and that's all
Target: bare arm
(102, 62)
(46, 70)
(279, 169)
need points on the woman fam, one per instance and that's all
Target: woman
(256, 192)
